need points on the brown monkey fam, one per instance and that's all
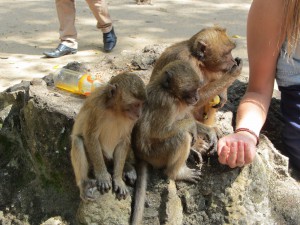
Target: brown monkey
(163, 135)
(102, 133)
(209, 53)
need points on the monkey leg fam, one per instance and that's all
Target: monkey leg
(176, 166)
(81, 169)
(96, 158)
(120, 155)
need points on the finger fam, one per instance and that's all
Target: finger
(223, 155)
(231, 160)
(249, 154)
(221, 144)
(240, 161)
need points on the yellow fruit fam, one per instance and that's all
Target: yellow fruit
(215, 101)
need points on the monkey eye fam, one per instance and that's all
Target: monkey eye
(137, 105)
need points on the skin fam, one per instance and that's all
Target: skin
(263, 46)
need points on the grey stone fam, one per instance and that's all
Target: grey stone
(37, 182)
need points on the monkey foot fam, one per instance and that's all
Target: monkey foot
(104, 184)
(88, 190)
(120, 189)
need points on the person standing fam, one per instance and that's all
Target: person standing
(68, 34)
(273, 45)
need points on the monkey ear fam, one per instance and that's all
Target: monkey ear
(201, 48)
(112, 90)
(167, 79)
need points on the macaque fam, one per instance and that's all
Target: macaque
(102, 134)
(209, 53)
(163, 135)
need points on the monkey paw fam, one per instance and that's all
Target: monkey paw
(120, 188)
(104, 183)
(195, 156)
(87, 190)
(193, 176)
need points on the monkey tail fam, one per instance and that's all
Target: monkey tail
(140, 193)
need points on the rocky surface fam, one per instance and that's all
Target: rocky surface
(37, 183)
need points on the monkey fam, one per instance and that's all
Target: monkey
(102, 134)
(163, 135)
(209, 53)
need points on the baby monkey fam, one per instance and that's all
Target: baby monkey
(101, 134)
(163, 135)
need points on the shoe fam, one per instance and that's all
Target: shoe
(109, 40)
(61, 50)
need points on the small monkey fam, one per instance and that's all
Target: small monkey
(209, 54)
(163, 135)
(102, 133)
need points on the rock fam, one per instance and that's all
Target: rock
(55, 221)
(174, 215)
(37, 181)
(106, 210)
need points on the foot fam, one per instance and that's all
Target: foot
(61, 50)
(109, 40)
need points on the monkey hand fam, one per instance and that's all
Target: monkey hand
(196, 157)
(212, 140)
(207, 137)
(120, 188)
(236, 69)
(201, 145)
(192, 175)
(104, 182)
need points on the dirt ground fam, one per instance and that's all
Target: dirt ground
(30, 27)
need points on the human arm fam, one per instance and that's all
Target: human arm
(263, 45)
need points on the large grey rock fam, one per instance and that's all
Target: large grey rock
(37, 182)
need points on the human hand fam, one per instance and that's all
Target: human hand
(237, 149)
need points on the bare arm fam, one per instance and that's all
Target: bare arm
(264, 41)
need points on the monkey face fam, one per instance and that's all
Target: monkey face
(134, 110)
(213, 48)
(191, 97)
(181, 81)
(220, 59)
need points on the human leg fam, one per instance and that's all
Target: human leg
(290, 107)
(66, 15)
(104, 22)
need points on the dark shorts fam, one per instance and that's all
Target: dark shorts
(290, 107)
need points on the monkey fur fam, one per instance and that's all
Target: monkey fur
(163, 135)
(102, 134)
(209, 53)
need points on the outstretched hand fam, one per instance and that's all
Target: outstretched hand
(237, 149)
